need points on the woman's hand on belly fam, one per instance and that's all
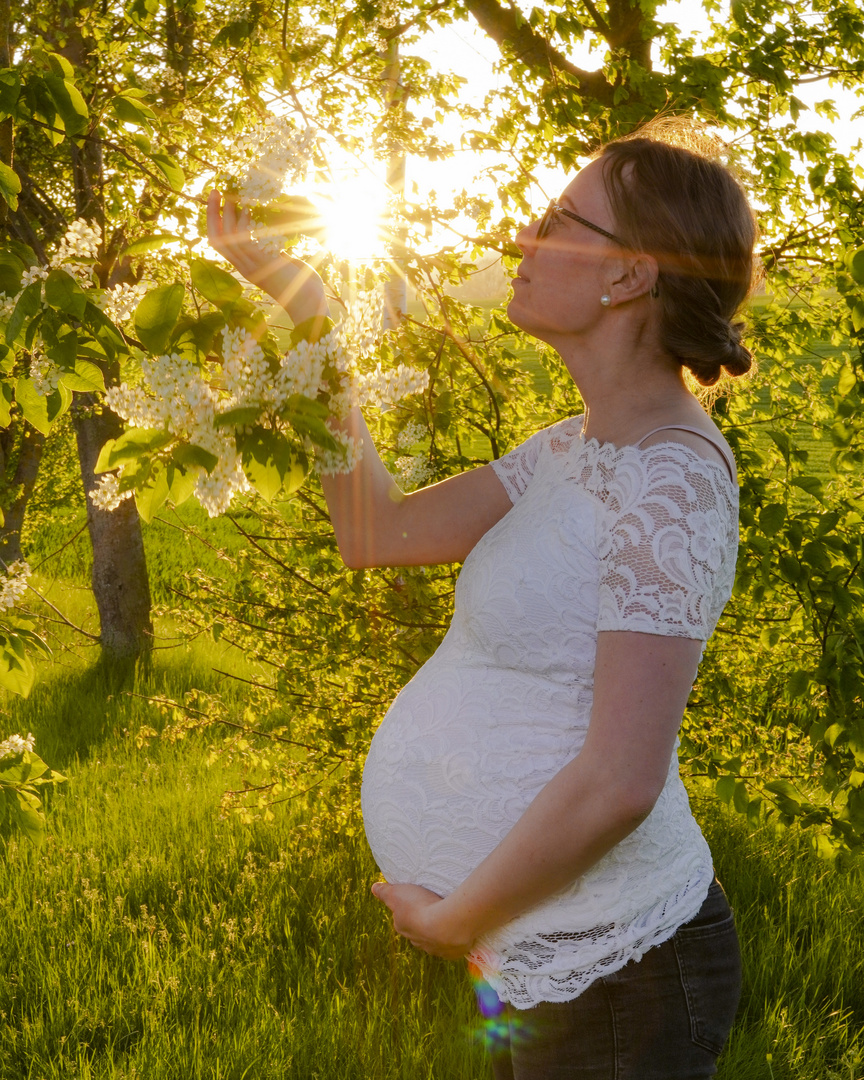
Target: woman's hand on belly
(422, 917)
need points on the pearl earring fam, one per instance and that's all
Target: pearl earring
(605, 299)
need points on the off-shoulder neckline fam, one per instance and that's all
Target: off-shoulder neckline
(614, 449)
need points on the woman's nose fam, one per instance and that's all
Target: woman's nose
(527, 236)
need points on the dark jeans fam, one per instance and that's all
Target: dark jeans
(664, 1017)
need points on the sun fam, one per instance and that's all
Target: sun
(353, 210)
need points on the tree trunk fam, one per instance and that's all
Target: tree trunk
(21, 483)
(120, 584)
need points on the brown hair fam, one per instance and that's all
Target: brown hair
(690, 213)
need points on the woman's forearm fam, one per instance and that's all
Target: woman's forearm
(364, 504)
(295, 286)
(580, 815)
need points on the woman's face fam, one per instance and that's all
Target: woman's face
(561, 278)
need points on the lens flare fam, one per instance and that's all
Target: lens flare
(353, 213)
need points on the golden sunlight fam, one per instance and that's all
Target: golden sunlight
(353, 210)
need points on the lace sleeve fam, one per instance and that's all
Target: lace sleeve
(668, 542)
(516, 468)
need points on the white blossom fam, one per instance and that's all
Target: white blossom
(31, 274)
(119, 302)
(107, 494)
(16, 744)
(410, 435)
(81, 241)
(13, 587)
(248, 379)
(44, 372)
(215, 490)
(384, 387)
(413, 471)
(331, 462)
(280, 155)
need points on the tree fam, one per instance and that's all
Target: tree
(128, 109)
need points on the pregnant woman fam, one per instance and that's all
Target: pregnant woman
(522, 795)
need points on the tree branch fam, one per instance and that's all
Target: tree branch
(514, 34)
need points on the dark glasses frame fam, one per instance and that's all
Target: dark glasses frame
(555, 208)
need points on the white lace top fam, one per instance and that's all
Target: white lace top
(598, 538)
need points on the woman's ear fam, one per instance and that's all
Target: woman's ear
(638, 277)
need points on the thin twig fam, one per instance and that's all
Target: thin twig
(68, 622)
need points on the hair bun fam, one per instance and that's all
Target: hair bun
(739, 359)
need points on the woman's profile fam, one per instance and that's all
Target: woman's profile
(522, 795)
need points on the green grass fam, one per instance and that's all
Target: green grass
(151, 938)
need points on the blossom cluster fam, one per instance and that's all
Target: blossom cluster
(80, 242)
(15, 584)
(174, 395)
(410, 435)
(16, 744)
(413, 471)
(119, 302)
(44, 372)
(278, 155)
(107, 494)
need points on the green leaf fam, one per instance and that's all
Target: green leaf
(181, 482)
(199, 332)
(130, 446)
(87, 378)
(856, 266)
(310, 426)
(28, 816)
(741, 798)
(69, 102)
(190, 456)
(214, 283)
(151, 242)
(7, 396)
(129, 111)
(240, 416)
(170, 170)
(29, 304)
(141, 11)
(725, 788)
(10, 185)
(847, 380)
(234, 34)
(11, 269)
(61, 344)
(811, 484)
(10, 91)
(798, 684)
(787, 798)
(311, 329)
(64, 293)
(858, 316)
(156, 315)
(59, 65)
(152, 497)
(271, 463)
(16, 668)
(771, 518)
(40, 411)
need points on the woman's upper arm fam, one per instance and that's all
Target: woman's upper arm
(437, 524)
(641, 685)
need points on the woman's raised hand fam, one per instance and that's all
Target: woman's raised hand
(292, 283)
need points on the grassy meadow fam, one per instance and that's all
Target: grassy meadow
(149, 937)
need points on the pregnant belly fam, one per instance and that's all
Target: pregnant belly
(454, 765)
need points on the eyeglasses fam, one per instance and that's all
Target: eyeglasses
(554, 208)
